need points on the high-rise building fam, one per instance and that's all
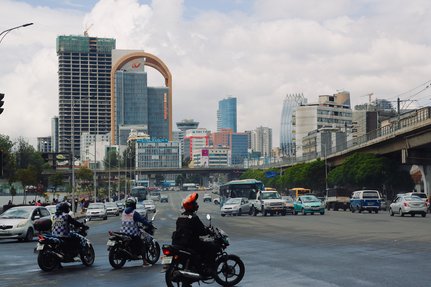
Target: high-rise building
(239, 147)
(136, 105)
(84, 88)
(261, 141)
(287, 136)
(183, 126)
(226, 114)
(332, 111)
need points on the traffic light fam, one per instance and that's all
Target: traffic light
(1, 102)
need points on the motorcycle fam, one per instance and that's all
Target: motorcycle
(184, 267)
(53, 250)
(121, 250)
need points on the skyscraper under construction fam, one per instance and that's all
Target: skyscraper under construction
(84, 88)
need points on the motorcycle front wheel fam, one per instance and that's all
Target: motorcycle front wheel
(88, 256)
(47, 261)
(116, 259)
(229, 270)
(152, 252)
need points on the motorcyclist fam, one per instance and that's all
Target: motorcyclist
(189, 228)
(62, 222)
(129, 225)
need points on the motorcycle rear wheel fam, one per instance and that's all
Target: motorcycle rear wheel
(115, 259)
(152, 252)
(229, 270)
(175, 280)
(88, 256)
(47, 261)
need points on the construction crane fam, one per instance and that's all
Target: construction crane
(86, 30)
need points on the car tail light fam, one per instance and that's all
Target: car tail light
(406, 204)
(40, 237)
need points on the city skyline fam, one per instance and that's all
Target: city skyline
(248, 49)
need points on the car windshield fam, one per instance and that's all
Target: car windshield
(51, 209)
(96, 206)
(110, 204)
(370, 194)
(412, 198)
(421, 195)
(16, 213)
(270, 195)
(233, 201)
(148, 202)
(309, 199)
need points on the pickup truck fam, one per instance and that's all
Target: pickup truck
(268, 202)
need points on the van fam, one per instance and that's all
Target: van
(365, 200)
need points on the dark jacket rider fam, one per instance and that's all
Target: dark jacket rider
(188, 229)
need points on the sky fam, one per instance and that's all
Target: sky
(258, 51)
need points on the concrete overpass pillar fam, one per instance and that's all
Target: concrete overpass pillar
(426, 178)
(205, 180)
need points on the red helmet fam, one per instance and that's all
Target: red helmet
(190, 203)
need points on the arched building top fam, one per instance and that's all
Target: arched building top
(151, 61)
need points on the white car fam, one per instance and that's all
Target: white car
(149, 205)
(408, 204)
(17, 222)
(96, 210)
(235, 206)
(112, 208)
(207, 197)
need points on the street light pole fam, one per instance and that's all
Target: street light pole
(94, 173)
(5, 32)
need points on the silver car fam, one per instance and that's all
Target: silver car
(408, 204)
(235, 206)
(17, 222)
(112, 208)
(96, 210)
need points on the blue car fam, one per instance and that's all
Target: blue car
(308, 204)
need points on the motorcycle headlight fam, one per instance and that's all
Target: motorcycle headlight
(21, 223)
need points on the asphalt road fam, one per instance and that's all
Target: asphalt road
(336, 249)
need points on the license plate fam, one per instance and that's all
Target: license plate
(110, 243)
(39, 247)
(167, 260)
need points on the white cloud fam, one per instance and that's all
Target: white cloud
(314, 47)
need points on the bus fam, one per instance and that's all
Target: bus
(190, 187)
(246, 188)
(139, 192)
(298, 191)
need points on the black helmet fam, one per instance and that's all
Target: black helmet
(130, 202)
(62, 207)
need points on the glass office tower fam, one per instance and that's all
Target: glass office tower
(226, 114)
(138, 105)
